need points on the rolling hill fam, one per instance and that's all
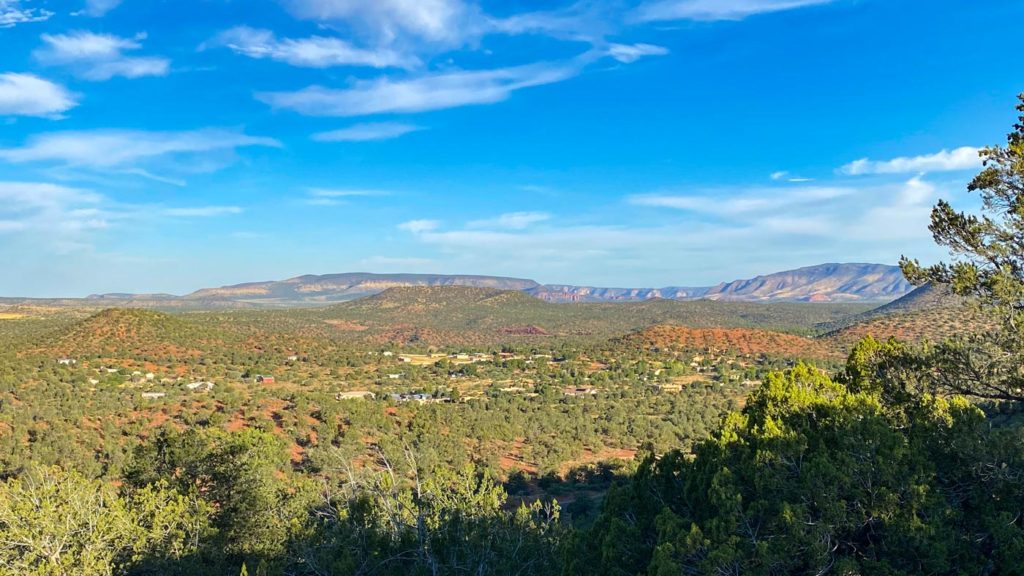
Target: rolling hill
(146, 333)
(930, 312)
(459, 314)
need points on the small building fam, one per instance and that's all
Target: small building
(394, 376)
(265, 378)
(387, 353)
(67, 361)
(153, 395)
(409, 397)
(200, 386)
(150, 376)
(293, 358)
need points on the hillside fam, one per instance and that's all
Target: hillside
(744, 341)
(437, 315)
(930, 312)
(144, 333)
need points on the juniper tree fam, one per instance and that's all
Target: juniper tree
(987, 268)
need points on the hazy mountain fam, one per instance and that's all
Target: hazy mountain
(341, 287)
(823, 283)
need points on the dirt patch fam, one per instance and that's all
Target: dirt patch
(739, 340)
(346, 325)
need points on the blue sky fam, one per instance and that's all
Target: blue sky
(167, 146)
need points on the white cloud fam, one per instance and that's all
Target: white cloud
(759, 234)
(368, 132)
(202, 211)
(963, 158)
(24, 196)
(436, 91)
(336, 196)
(97, 8)
(28, 95)
(419, 226)
(895, 211)
(711, 10)
(56, 218)
(784, 176)
(756, 202)
(511, 221)
(12, 13)
(586, 20)
(116, 148)
(312, 52)
(136, 152)
(448, 22)
(99, 56)
(629, 53)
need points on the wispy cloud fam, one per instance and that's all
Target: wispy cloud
(733, 203)
(963, 158)
(368, 132)
(448, 22)
(97, 8)
(28, 95)
(56, 216)
(511, 221)
(202, 211)
(134, 152)
(99, 56)
(629, 53)
(893, 211)
(13, 13)
(584, 20)
(711, 10)
(419, 226)
(436, 91)
(759, 233)
(337, 196)
(785, 176)
(312, 52)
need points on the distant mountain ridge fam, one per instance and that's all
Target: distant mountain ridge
(831, 282)
(822, 283)
(350, 286)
